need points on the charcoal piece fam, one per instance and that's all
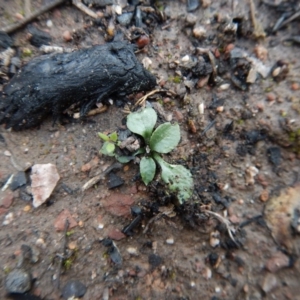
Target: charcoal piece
(243, 150)
(25, 296)
(113, 251)
(274, 155)
(137, 212)
(114, 181)
(5, 40)
(154, 260)
(25, 196)
(213, 258)
(123, 134)
(192, 5)
(254, 136)
(73, 289)
(125, 18)
(38, 37)
(19, 180)
(133, 2)
(52, 83)
(100, 3)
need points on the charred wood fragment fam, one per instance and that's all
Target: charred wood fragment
(52, 83)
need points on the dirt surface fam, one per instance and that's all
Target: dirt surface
(243, 151)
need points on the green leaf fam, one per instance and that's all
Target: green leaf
(147, 169)
(165, 138)
(139, 151)
(124, 159)
(103, 136)
(178, 179)
(108, 149)
(142, 122)
(113, 136)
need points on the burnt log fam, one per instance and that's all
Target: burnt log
(52, 83)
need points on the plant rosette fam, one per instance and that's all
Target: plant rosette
(158, 141)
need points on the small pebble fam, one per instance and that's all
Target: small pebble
(40, 243)
(170, 241)
(143, 41)
(73, 289)
(191, 19)
(264, 196)
(278, 261)
(49, 23)
(147, 62)
(295, 86)
(72, 245)
(7, 153)
(199, 32)
(207, 273)
(132, 251)
(206, 3)
(269, 283)
(201, 108)
(214, 240)
(229, 47)
(67, 36)
(8, 218)
(186, 58)
(224, 86)
(261, 52)
(19, 16)
(220, 109)
(271, 96)
(27, 208)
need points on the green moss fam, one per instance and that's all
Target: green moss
(26, 53)
(69, 233)
(176, 79)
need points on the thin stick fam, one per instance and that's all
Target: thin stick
(144, 98)
(27, 8)
(16, 26)
(292, 18)
(258, 31)
(84, 9)
(62, 257)
(226, 222)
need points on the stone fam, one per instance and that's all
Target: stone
(116, 234)
(278, 261)
(18, 180)
(6, 199)
(269, 283)
(114, 181)
(44, 178)
(60, 220)
(73, 289)
(118, 204)
(18, 281)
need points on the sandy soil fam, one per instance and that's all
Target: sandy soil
(264, 266)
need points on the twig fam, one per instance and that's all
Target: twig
(98, 177)
(226, 222)
(16, 26)
(84, 8)
(258, 31)
(92, 112)
(290, 19)
(27, 8)
(62, 257)
(144, 98)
